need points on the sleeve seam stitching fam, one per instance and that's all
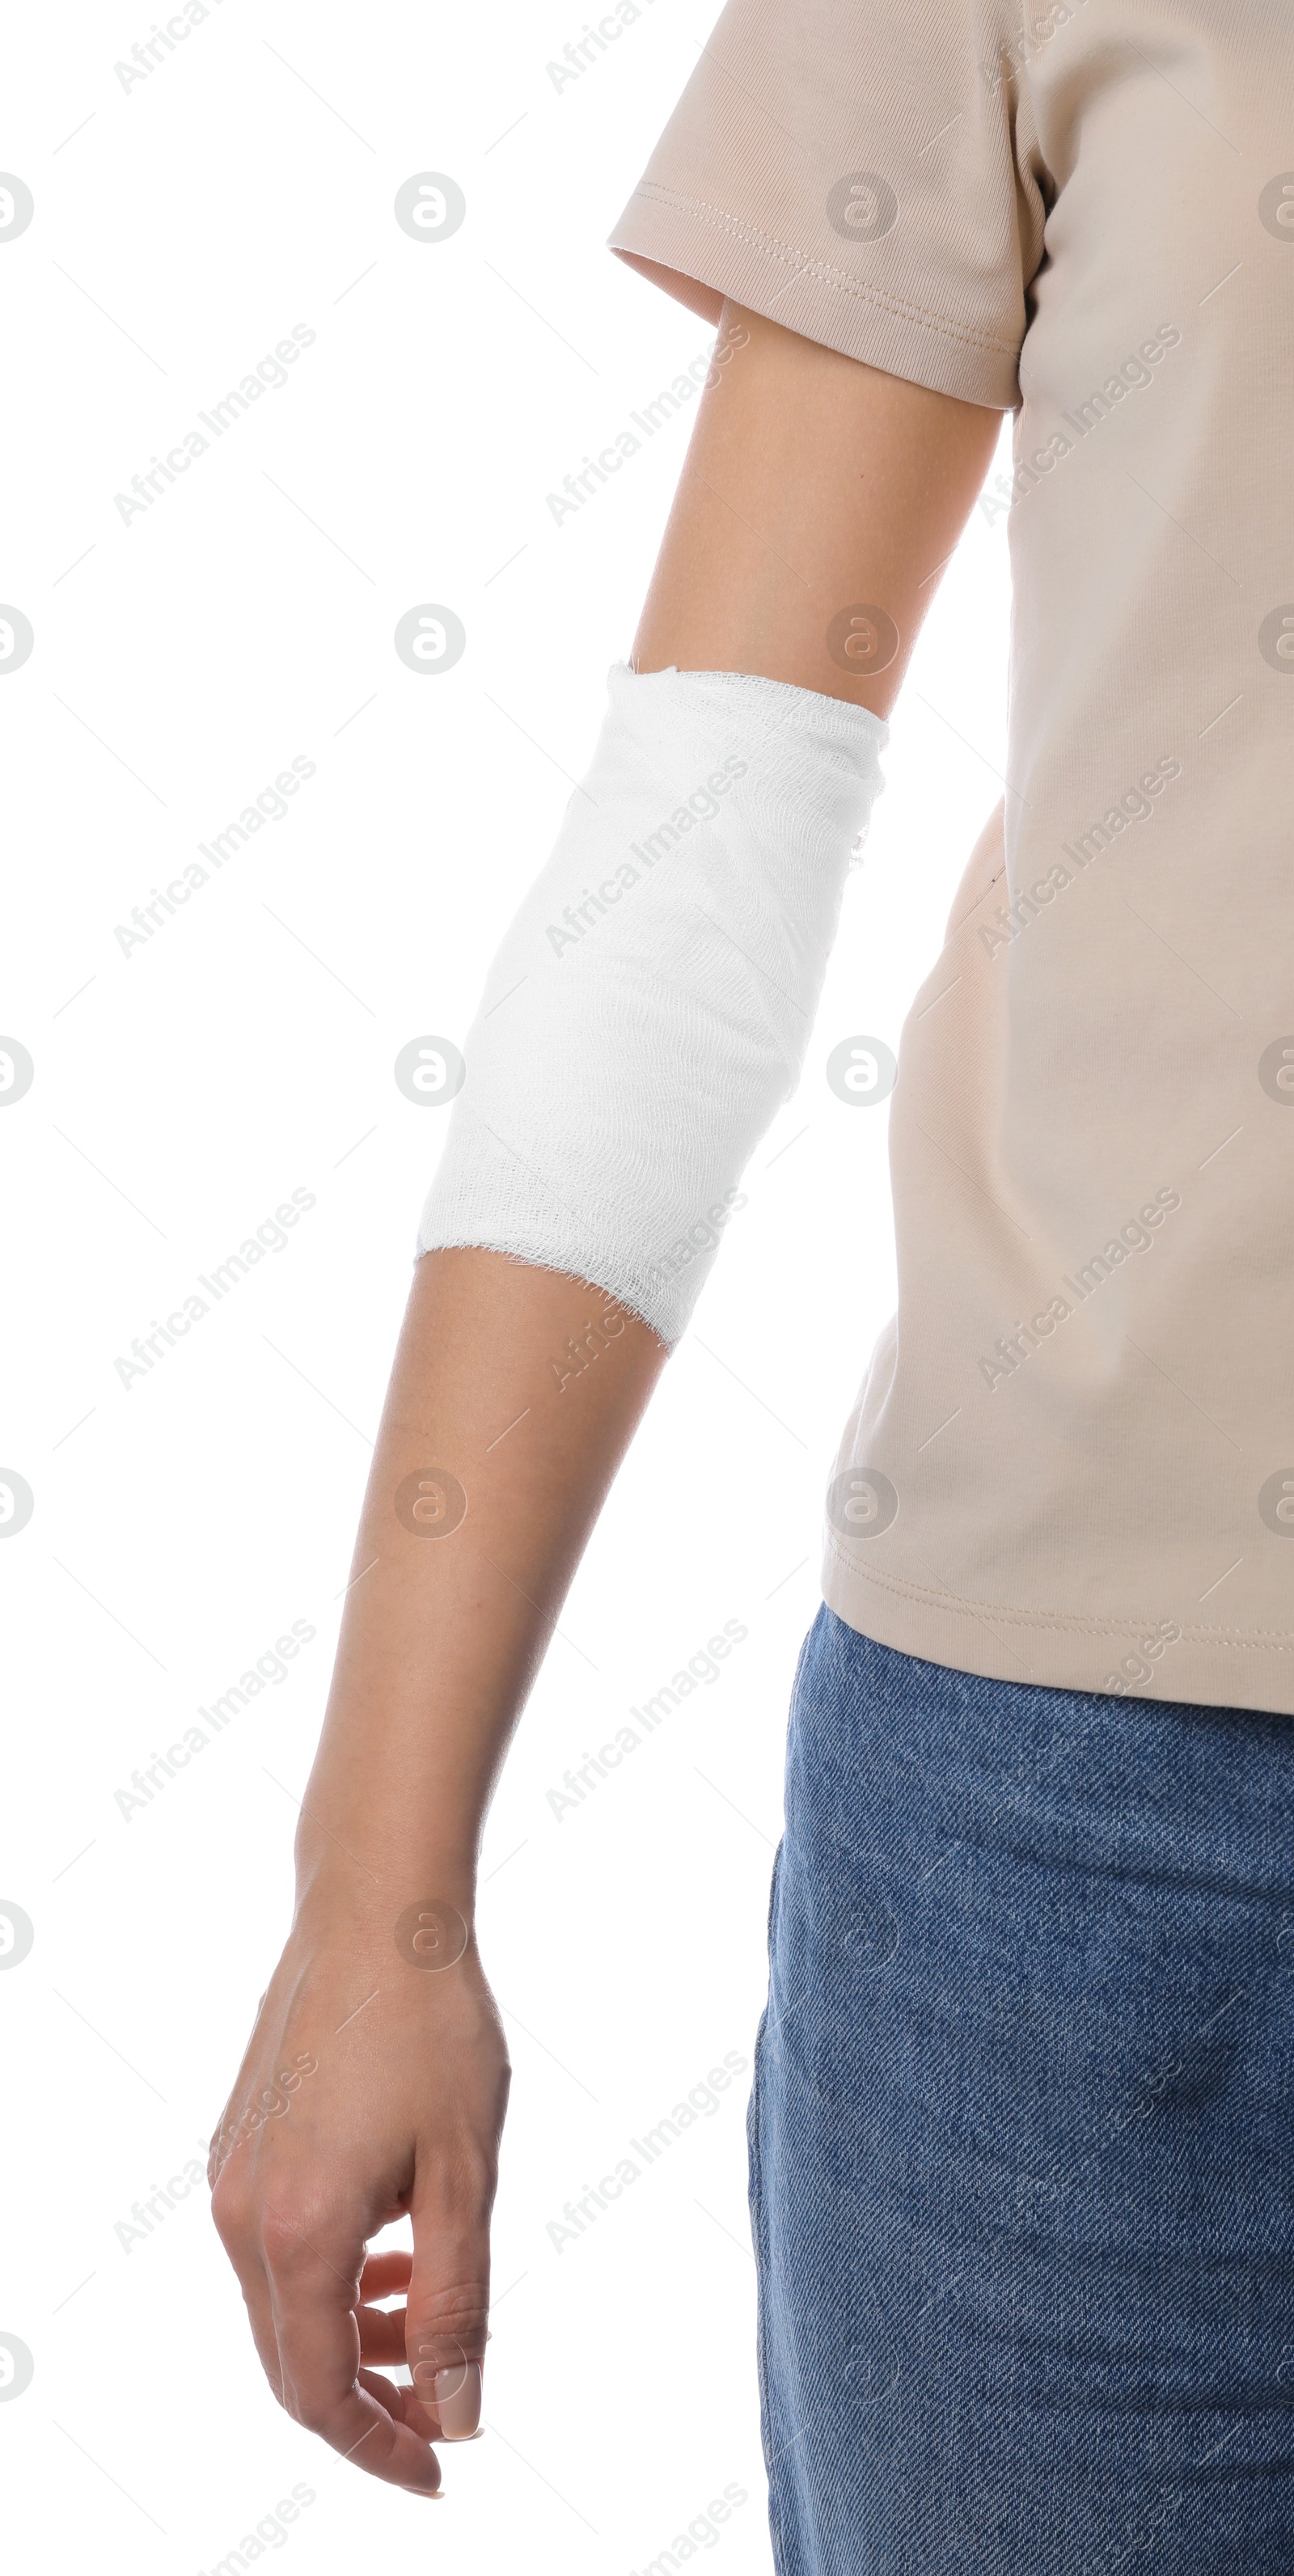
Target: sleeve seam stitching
(719, 218)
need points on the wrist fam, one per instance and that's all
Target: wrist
(351, 1901)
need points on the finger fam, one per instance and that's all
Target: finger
(385, 2391)
(312, 2273)
(253, 2281)
(399, 2402)
(402, 2403)
(381, 2334)
(384, 2274)
(447, 2312)
(381, 2330)
(235, 2225)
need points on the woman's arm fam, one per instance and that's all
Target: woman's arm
(375, 2080)
(812, 483)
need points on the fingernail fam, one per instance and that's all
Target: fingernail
(458, 2400)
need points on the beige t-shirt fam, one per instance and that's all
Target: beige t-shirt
(1072, 1459)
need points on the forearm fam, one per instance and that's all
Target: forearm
(442, 1633)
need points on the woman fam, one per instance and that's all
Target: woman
(1021, 2173)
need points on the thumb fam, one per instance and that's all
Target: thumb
(446, 2321)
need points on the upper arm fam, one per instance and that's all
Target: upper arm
(867, 189)
(816, 488)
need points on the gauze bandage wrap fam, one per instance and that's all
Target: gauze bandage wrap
(650, 1007)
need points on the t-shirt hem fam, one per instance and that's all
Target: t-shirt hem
(721, 251)
(1067, 1650)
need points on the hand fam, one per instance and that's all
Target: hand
(370, 2086)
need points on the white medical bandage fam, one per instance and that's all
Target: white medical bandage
(649, 1009)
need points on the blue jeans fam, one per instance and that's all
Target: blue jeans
(1022, 2130)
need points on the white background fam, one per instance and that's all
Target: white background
(181, 1092)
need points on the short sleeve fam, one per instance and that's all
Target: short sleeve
(866, 172)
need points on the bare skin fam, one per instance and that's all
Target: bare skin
(375, 2081)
